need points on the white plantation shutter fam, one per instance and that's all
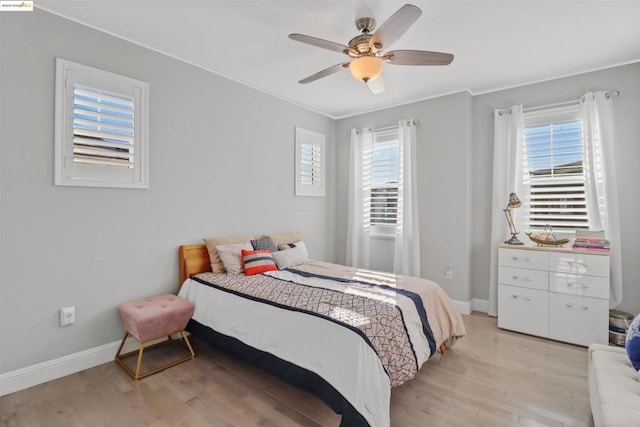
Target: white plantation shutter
(555, 161)
(310, 163)
(101, 128)
(384, 177)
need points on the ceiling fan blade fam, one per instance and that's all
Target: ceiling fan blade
(324, 73)
(314, 41)
(418, 57)
(395, 26)
(376, 85)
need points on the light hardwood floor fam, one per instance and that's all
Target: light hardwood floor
(490, 378)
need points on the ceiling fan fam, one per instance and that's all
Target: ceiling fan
(366, 49)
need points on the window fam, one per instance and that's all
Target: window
(101, 128)
(554, 158)
(385, 177)
(310, 163)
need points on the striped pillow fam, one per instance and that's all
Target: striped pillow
(256, 262)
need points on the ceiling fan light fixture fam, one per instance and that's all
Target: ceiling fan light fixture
(365, 51)
(366, 68)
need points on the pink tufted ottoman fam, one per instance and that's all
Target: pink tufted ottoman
(152, 318)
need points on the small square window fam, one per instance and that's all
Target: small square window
(101, 121)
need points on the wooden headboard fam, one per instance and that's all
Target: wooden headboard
(193, 259)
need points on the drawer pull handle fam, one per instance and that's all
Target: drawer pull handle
(578, 306)
(528, 259)
(526, 279)
(577, 263)
(578, 285)
(514, 296)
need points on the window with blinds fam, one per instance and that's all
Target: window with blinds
(103, 128)
(101, 135)
(385, 177)
(555, 162)
(310, 163)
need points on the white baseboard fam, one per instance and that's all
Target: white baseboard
(20, 379)
(466, 307)
(480, 305)
(30, 376)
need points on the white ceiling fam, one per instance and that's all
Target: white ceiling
(496, 43)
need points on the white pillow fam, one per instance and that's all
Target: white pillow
(290, 257)
(230, 255)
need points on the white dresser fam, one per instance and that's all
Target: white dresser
(556, 293)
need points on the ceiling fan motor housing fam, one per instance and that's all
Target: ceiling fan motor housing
(365, 25)
(359, 45)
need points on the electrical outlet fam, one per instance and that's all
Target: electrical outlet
(67, 315)
(448, 273)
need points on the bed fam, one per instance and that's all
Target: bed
(344, 334)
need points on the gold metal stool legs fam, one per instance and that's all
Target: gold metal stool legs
(190, 354)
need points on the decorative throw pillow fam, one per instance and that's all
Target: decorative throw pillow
(264, 243)
(211, 242)
(632, 343)
(230, 255)
(293, 256)
(256, 262)
(286, 246)
(283, 238)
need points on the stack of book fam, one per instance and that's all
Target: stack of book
(591, 241)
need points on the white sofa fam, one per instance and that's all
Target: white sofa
(614, 387)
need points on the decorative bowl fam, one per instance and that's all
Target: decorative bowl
(546, 239)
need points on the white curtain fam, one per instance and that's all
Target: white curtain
(510, 175)
(406, 259)
(359, 196)
(600, 179)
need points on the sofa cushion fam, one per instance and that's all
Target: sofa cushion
(614, 387)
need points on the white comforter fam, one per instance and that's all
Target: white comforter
(337, 354)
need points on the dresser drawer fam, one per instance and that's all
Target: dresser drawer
(592, 265)
(519, 258)
(577, 284)
(578, 320)
(523, 310)
(525, 278)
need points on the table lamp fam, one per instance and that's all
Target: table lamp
(513, 203)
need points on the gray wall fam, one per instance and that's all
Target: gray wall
(455, 158)
(626, 110)
(221, 163)
(443, 156)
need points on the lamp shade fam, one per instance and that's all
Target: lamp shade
(514, 202)
(366, 68)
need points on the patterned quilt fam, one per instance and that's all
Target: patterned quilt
(378, 320)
